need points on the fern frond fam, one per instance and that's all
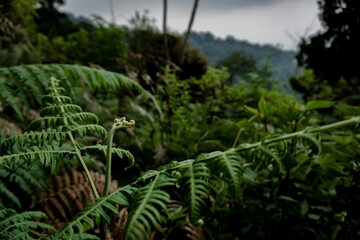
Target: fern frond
(311, 141)
(55, 110)
(228, 165)
(195, 187)
(273, 155)
(7, 96)
(50, 136)
(67, 193)
(17, 187)
(83, 117)
(40, 138)
(146, 207)
(85, 218)
(95, 79)
(120, 153)
(8, 194)
(56, 98)
(193, 233)
(90, 129)
(46, 155)
(23, 82)
(22, 225)
(23, 86)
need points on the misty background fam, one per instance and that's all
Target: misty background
(277, 22)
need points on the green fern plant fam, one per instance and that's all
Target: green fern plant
(22, 87)
(62, 132)
(57, 136)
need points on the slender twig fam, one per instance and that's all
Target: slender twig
(193, 13)
(241, 130)
(165, 32)
(112, 13)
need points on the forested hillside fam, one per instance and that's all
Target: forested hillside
(282, 63)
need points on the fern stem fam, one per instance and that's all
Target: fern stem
(54, 81)
(243, 147)
(324, 128)
(87, 172)
(108, 161)
(118, 123)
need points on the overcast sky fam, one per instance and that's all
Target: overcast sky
(276, 22)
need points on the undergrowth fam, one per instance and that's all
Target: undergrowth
(192, 194)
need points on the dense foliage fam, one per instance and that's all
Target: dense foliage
(205, 158)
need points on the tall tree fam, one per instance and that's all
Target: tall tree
(330, 53)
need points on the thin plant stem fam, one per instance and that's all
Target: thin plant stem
(118, 123)
(78, 154)
(324, 128)
(241, 130)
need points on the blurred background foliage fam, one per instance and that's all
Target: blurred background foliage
(224, 93)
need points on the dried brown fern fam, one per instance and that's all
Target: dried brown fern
(67, 193)
(117, 228)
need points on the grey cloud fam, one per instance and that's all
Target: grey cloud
(229, 4)
(212, 5)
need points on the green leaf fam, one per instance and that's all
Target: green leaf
(251, 110)
(312, 105)
(265, 108)
(315, 217)
(304, 208)
(287, 198)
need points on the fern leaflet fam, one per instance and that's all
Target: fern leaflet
(121, 153)
(228, 165)
(22, 225)
(85, 218)
(195, 188)
(147, 204)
